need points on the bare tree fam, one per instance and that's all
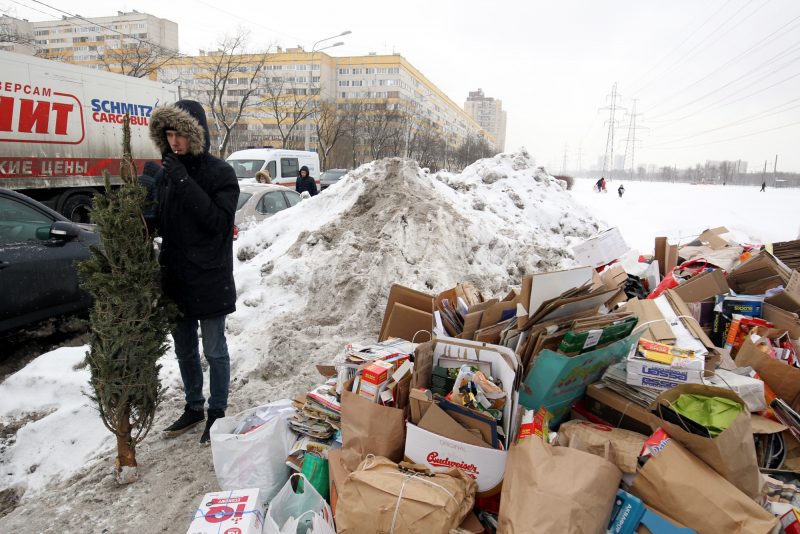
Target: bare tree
(288, 104)
(353, 122)
(330, 127)
(138, 59)
(383, 131)
(230, 82)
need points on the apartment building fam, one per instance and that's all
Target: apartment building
(293, 79)
(84, 41)
(16, 35)
(489, 113)
(396, 81)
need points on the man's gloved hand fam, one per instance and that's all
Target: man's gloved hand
(174, 170)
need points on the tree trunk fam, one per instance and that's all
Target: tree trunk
(126, 468)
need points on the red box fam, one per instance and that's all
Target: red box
(377, 372)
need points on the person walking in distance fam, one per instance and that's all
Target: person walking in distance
(196, 197)
(621, 190)
(763, 187)
(305, 182)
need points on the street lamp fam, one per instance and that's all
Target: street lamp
(311, 76)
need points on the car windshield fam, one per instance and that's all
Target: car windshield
(332, 175)
(243, 197)
(246, 168)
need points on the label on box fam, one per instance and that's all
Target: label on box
(377, 372)
(229, 512)
(486, 466)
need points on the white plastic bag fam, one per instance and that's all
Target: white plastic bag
(305, 512)
(256, 459)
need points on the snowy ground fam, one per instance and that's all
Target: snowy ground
(314, 278)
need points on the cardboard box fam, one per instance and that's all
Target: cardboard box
(376, 373)
(713, 238)
(601, 249)
(555, 381)
(610, 406)
(407, 312)
(666, 255)
(239, 511)
(440, 453)
(790, 522)
(703, 286)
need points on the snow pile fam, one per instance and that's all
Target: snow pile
(59, 429)
(315, 277)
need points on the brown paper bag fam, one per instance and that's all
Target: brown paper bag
(381, 496)
(678, 485)
(618, 446)
(732, 454)
(369, 428)
(555, 489)
(782, 378)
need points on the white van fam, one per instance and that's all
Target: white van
(282, 165)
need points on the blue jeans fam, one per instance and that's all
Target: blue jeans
(215, 349)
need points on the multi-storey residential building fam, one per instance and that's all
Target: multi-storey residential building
(489, 113)
(292, 80)
(85, 41)
(16, 35)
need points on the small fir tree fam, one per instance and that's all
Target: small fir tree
(129, 321)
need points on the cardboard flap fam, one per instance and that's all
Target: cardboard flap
(647, 311)
(703, 286)
(713, 238)
(681, 309)
(546, 286)
(408, 297)
(438, 422)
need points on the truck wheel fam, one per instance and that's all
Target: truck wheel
(77, 208)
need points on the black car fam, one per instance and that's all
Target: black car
(330, 177)
(38, 251)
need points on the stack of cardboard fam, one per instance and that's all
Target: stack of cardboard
(458, 382)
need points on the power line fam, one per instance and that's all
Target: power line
(793, 48)
(750, 118)
(728, 139)
(608, 156)
(683, 58)
(751, 49)
(691, 34)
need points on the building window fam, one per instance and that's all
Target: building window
(343, 95)
(358, 71)
(41, 32)
(344, 71)
(394, 70)
(369, 70)
(344, 83)
(357, 83)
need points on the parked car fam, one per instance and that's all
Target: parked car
(38, 251)
(330, 177)
(260, 201)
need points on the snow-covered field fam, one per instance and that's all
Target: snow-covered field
(314, 278)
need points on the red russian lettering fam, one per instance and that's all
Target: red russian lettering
(6, 113)
(62, 116)
(30, 116)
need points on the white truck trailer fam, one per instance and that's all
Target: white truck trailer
(61, 127)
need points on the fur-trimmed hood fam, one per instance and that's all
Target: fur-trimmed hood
(188, 118)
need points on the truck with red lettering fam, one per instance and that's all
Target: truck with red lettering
(61, 128)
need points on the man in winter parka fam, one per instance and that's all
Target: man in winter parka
(196, 200)
(305, 182)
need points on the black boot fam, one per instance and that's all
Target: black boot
(187, 420)
(213, 415)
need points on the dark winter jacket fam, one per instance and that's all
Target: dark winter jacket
(305, 184)
(195, 217)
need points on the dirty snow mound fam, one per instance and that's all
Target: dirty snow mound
(317, 276)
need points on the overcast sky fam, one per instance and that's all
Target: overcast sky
(717, 79)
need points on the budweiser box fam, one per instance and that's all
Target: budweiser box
(440, 453)
(229, 512)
